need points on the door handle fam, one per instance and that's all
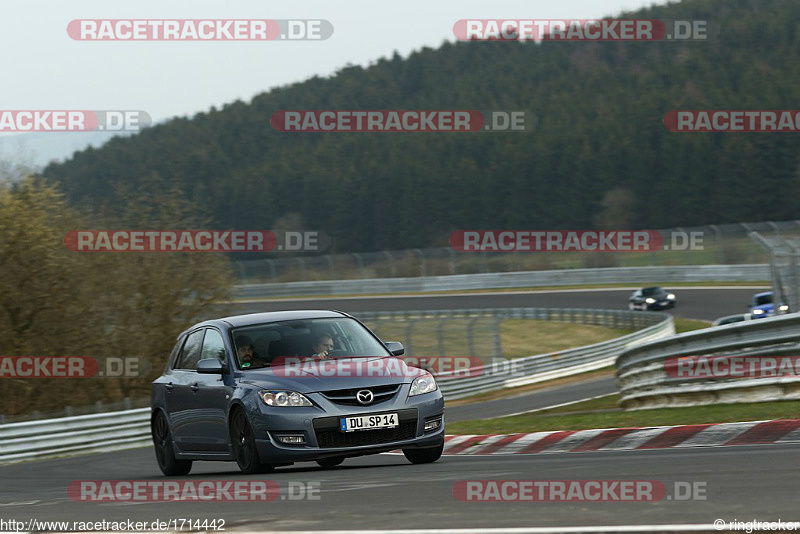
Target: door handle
(195, 388)
(169, 387)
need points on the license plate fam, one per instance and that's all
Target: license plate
(368, 422)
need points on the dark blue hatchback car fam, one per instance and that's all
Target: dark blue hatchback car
(270, 389)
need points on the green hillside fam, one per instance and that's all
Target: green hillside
(600, 154)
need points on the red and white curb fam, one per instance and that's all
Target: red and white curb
(617, 439)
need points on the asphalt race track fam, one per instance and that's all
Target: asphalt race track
(385, 491)
(696, 303)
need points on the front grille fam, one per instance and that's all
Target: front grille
(335, 438)
(329, 435)
(347, 397)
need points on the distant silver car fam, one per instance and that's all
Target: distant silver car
(729, 319)
(252, 389)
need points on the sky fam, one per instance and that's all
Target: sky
(45, 69)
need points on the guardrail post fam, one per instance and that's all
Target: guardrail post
(331, 267)
(471, 341)
(360, 263)
(422, 268)
(272, 273)
(409, 332)
(302, 267)
(440, 335)
(242, 270)
(498, 343)
(392, 266)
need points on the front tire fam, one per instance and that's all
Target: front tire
(165, 454)
(243, 441)
(424, 456)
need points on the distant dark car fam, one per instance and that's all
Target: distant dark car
(651, 298)
(763, 306)
(250, 389)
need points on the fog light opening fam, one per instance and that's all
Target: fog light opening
(292, 439)
(433, 424)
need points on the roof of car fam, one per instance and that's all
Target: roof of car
(235, 321)
(288, 315)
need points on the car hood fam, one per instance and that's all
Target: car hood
(308, 376)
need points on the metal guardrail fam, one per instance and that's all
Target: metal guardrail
(628, 276)
(51, 438)
(726, 244)
(542, 367)
(645, 383)
(131, 428)
(499, 373)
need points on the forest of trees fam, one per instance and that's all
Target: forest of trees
(600, 154)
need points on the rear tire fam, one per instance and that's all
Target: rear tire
(424, 456)
(243, 441)
(327, 463)
(165, 454)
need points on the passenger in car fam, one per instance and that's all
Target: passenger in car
(248, 358)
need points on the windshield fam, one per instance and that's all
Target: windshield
(263, 345)
(763, 299)
(652, 291)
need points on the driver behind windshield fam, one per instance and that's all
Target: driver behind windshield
(248, 358)
(323, 344)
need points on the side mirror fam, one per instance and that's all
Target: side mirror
(210, 366)
(395, 347)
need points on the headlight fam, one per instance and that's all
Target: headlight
(422, 384)
(650, 300)
(758, 312)
(284, 398)
(783, 307)
(671, 296)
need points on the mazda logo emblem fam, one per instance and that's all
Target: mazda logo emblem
(364, 396)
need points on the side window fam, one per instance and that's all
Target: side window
(173, 356)
(190, 354)
(213, 346)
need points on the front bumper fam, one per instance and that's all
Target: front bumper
(662, 305)
(319, 427)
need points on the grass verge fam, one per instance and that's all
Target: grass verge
(518, 337)
(604, 413)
